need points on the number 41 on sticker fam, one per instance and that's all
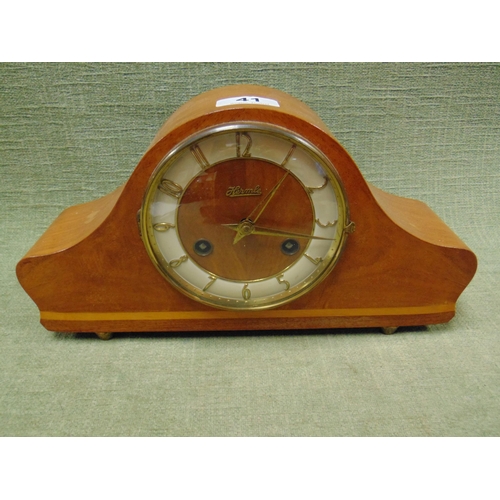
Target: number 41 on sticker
(247, 99)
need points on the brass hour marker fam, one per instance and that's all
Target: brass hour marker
(328, 224)
(287, 157)
(246, 293)
(163, 226)
(246, 151)
(200, 157)
(178, 262)
(314, 260)
(312, 189)
(281, 281)
(212, 279)
(170, 187)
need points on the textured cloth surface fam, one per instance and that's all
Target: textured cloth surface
(70, 133)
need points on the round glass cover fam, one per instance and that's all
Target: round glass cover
(244, 216)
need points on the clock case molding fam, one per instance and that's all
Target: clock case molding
(90, 272)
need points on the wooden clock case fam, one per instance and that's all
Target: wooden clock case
(90, 272)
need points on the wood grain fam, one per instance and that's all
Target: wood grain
(245, 261)
(402, 265)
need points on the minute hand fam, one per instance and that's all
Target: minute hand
(242, 229)
(276, 232)
(266, 200)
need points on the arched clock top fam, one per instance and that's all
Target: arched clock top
(245, 213)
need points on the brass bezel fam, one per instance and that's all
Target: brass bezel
(276, 300)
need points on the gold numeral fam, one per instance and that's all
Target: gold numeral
(200, 157)
(178, 262)
(246, 293)
(281, 281)
(163, 226)
(312, 189)
(315, 261)
(212, 279)
(170, 187)
(328, 224)
(287, 157)
(246, 152)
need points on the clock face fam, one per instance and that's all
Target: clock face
(244, 216)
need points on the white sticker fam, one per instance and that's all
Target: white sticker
(247, 99)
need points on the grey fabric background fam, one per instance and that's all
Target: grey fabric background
(70, 133)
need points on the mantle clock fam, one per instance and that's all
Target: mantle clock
(245, 213)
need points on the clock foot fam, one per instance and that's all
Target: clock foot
(104, 335)
(389, 330)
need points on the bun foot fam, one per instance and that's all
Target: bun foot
(104, 335)
(389, 330)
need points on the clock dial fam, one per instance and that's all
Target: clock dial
(244, 217)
